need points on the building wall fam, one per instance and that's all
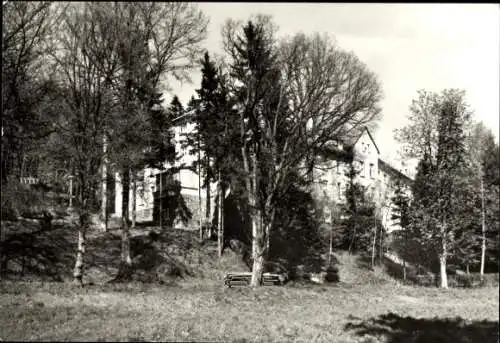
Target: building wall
(146, 186)
(330, 182)
(331, 179)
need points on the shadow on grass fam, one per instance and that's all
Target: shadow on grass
(397, 329)
(43, 252)
(413, 275)
(156, 257)
(33, 252)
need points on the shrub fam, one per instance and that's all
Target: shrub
(332, 274)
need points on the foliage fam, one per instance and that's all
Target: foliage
(442, 203)
(401, 216)
(297, 236)
(359, 214)
(27, 38)
(292, 101)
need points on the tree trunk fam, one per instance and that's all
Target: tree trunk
(258, 260)
(381, 243)
(374, 244)
(200, 213)
(404, 270)
(268, 225)
(404, 256)
(258, 241)
(330, 250)
(208, 204)
(252, 199)
(80, 252)
(126, 260)
(125, 255)
(134, 200)
(483, 232)
(104, 203)
(160, 216)
(442, 265)
(70, 205)
(220, 222)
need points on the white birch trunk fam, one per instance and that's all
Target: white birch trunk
(483, 232)
(442, 264)
(258, 241)
(80, 252)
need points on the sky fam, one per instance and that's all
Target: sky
(409, 47)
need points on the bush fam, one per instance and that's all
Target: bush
(332, 274)
(472, 280)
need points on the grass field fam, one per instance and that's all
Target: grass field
(193, 311)
(365, 306)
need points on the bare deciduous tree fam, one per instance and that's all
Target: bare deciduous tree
(146, 43)
(292, 105)
(84, 104)
(27, 29)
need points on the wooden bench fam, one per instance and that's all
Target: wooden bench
(244, 278)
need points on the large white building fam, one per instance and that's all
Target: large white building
(331, 176)
(330, 180)
(152, 184)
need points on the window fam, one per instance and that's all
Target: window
(371, 171)
(339, 191)
(358, 166)
(363, 169)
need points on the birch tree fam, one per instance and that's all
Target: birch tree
(439, 121)
(84, 102)
(483, 156)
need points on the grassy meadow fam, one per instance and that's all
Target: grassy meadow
(188, 302)
(204, 311)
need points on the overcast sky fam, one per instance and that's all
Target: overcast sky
(409, 46)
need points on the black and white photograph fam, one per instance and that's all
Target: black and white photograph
(250, 172)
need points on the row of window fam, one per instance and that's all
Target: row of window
(365, 170)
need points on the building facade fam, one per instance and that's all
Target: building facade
(330, 180)
(377, 177)
(152, 185)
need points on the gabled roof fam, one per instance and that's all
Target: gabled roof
(356, 139)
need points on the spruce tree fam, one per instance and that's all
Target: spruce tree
(401, 215)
